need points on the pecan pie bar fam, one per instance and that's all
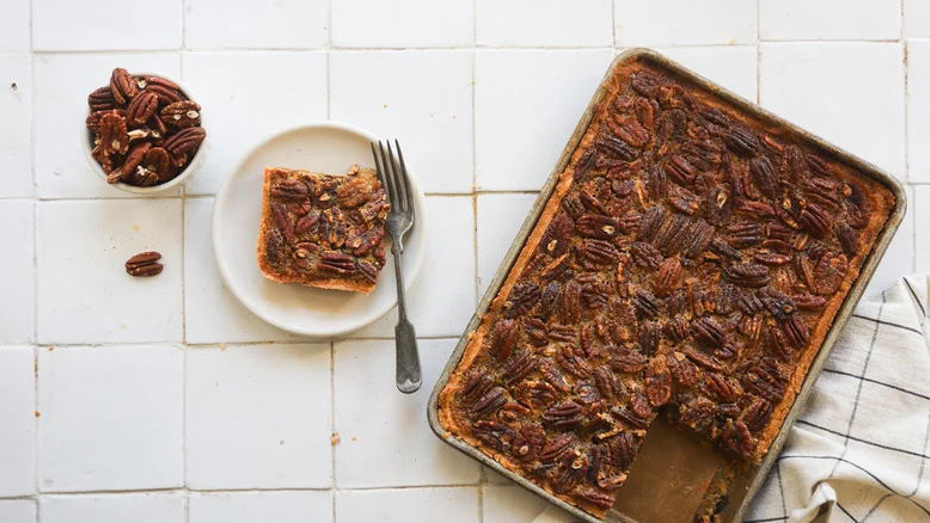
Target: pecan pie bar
(688, 264)
(323, 230)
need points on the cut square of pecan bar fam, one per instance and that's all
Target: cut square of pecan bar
(323, 230)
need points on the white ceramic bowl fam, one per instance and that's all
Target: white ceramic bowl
(323, 147)
(87, 143)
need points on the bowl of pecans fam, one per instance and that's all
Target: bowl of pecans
(144, 132)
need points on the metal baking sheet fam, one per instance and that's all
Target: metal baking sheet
(673, 472)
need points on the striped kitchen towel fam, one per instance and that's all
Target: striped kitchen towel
(858, 452)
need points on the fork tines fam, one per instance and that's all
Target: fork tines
(393, 173)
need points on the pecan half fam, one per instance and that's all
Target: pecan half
(122, 85)
(184, 144)
(141, 108)
(182, 114)
(144, 264)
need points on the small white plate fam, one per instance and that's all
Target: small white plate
(322, 147)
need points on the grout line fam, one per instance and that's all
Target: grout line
(758, 52)
(332, 410)
(36, 417)
(613, 25)
(164, 490)
(477, 285)
(329, 86)
(325, 48)
(332, 422)
(814, 41)
(184, 434)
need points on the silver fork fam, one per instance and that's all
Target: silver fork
(400, 220)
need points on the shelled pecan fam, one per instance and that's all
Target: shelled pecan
(144, 129)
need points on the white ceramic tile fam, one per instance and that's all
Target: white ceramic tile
(851, 94)
(548, 23)
(211, 313)
(899, 258)
(514, 504)
(17, 281)
(293, 24)
(385, 440)
(447, 276)
(264, 507)
(527, 104)
(733, 67)
(499, 219)
(111, 418)
(242, 109)
(495, 478)
(259, 417)
(672, 22)
(162, 507)
(918, 110)
(61, 167)
(18, 511)
(446, 504)
(922, 216)
(401, 23)
(14, 26)
(916, 18)
(17, 429)
(422, 98)
(107, 24)
(830, 19)
(16, 131)
(85, 294)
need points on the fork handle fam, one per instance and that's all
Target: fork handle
(409, 377)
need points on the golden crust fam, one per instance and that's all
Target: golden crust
(881, 201)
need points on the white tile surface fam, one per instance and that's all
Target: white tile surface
(15, 139)
(111, 418)
(106, 25)
(671, 22)
(848, 19)
(823, 87)
(446, 504)
(548, 23)
(113, 508)
(918, 110)
(259, 417)
(422, 98)
(733, 67)
(527, 104)
(510, 504)
(17, 271)
(288, 24)
(241, 109)
(916, 18)
(401, 23)
(14, 26)
(17, 432)
(212, 313)
(385, 440)
(61, 168)
(499, 218)
(447, 275)
(264, 507)
(922, 216)
(18, 511)
(82, 248)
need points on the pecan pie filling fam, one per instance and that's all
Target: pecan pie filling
(323, 230)
(688, 264)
